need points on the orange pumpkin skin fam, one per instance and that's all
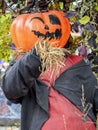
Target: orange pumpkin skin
(27, 28)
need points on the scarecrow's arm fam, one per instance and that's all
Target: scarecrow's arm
(21, 76)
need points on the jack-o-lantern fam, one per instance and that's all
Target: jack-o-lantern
(51, 25)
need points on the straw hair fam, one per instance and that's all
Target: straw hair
(50, 56)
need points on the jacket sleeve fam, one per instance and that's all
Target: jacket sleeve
(21, 76)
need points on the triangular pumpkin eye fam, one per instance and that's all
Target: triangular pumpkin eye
(54, 19)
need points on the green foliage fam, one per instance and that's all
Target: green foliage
(5, 38)
(84, 20)
(83, 17)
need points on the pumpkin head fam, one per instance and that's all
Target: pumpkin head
(51, 25)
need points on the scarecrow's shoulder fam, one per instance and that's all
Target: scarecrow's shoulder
(75, 58)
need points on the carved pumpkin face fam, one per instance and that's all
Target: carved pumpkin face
(51, 25)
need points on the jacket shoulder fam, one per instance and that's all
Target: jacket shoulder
(75, 58)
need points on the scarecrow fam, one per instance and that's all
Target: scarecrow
(57, 90)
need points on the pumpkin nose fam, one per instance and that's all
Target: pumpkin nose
(46, 27)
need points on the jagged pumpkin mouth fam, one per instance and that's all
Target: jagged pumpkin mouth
(53, 35)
